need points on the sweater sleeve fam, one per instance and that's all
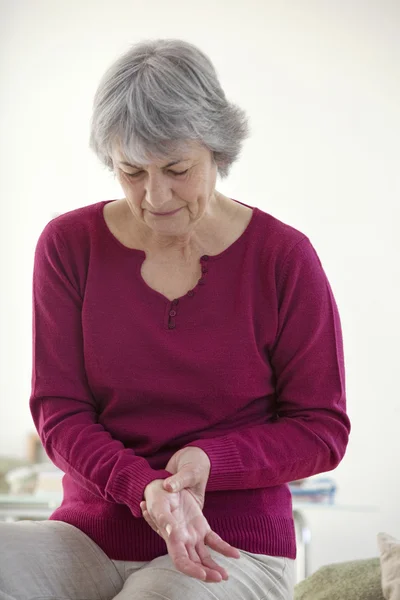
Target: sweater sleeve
(63, 408)
(311, 429)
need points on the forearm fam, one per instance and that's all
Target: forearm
(81, 447)
(275, 453)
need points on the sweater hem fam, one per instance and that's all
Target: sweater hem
(134, 540)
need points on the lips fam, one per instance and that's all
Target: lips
(172, 212)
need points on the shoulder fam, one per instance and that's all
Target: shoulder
(65, 244)
(73, 228)
(77, 220)
(279, 240)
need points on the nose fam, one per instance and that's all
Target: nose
(158, 193)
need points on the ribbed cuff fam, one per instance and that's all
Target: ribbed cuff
(226, 471)
(129, 484)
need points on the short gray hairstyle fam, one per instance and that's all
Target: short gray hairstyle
(159, 95)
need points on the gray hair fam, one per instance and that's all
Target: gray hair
(156, 97)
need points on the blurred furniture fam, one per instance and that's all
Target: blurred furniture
(28, 506)
(7, 464)
(301, 510)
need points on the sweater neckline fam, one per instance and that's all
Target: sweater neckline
(212, 257)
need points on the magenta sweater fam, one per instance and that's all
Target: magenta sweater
(247, 366)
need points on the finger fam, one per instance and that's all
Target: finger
(150, 521)
(212, 575)
(216, 543)
(208, 562)
(179, 556)
(189, 564)
(160, 526)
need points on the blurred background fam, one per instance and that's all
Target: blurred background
(320, 81)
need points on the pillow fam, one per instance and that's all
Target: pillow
(353, 580)
(390, 566)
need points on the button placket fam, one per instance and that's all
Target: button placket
(204, 270)
(172, 311)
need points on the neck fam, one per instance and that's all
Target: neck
(198, 237)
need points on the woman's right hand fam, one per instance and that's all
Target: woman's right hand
(190, 532)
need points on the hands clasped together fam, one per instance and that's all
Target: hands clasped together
(177, 516)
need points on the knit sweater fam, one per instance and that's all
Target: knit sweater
(248, 366)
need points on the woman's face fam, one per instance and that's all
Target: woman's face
(187, 186)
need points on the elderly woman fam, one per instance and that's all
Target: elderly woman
(187, 361)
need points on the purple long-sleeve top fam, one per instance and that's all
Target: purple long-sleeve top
(248, 366)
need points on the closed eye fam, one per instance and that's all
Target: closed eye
(179, 173)
(133, 175)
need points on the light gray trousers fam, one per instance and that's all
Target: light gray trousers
(52, 560)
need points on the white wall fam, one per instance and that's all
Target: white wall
(320, 81)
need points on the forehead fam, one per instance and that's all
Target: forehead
(189, 150)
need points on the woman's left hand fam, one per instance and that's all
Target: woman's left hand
(191, 469)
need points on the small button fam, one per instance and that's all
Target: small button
(204, 257)
(172, 313)
(175, 302)
(204, 270)
(171, 325)
(190, 293)
(201, 281)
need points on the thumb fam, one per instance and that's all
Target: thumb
(179, 481)
(172, 485)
